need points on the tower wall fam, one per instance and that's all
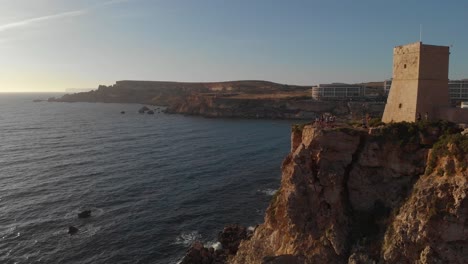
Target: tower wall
(401, 107)
(401, 101)
(433, 80)
(420, 82)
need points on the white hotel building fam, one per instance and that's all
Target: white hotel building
(458, 89)
(337, 91)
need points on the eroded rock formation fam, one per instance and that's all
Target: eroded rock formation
(229, 238)
(348, 196)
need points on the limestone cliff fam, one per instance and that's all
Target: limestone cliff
(349, 196)
(229, 106)
(284, 106)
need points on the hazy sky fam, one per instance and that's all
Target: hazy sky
(51, 45)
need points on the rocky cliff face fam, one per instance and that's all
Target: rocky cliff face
(282, 108)
(225, 106)
(348, 196)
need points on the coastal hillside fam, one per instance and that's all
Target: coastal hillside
(240, 99)
(283, 106)
(349, 196)
(166, 93)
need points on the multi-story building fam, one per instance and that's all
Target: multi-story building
(387, 84)
(337, 91)
(458, 89)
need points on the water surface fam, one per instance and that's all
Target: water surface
(154, 183)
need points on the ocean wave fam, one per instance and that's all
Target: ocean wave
(214, 244)
(187, 239)
(268, 191)
(190, 237)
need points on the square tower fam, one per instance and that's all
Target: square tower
(420, 82)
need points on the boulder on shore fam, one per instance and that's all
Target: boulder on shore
(150, 112)
(143, 110)
(84, 214)
(229, 238)
(72, 230)
(199, 254)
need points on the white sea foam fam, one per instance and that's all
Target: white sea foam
(215, 245)
(268, 191)
(180, 260)
(187, 238)
(90, 230)
(251, 228)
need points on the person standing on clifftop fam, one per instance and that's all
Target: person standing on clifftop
(418, 117)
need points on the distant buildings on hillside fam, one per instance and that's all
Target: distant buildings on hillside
(387, 85)
(337, 91)
(458, 90)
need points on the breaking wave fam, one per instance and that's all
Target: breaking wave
(268, 191)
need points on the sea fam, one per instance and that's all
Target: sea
(154, 183)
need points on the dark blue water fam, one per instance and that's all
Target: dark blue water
(154, 183)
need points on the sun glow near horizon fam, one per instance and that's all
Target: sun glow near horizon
(28, 82)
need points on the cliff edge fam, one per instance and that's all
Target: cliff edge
(396, 194)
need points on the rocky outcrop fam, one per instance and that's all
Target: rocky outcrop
(281, 108)
(143, 109)
(229, 238)
(72, 230)
(348, 196)
(84, 214)
(432, 225)
(199, 254)
(227, 106)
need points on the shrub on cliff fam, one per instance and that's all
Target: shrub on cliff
(451, 145)
(375, 122)
(411, 133)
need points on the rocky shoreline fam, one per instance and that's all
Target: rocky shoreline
(229, 238)
(299, 108)
(393, 194)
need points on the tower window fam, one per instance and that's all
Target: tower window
(399, 106)
(404, 66)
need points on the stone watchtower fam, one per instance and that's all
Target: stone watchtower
(420, 82)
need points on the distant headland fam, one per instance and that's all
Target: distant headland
(241, 99)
